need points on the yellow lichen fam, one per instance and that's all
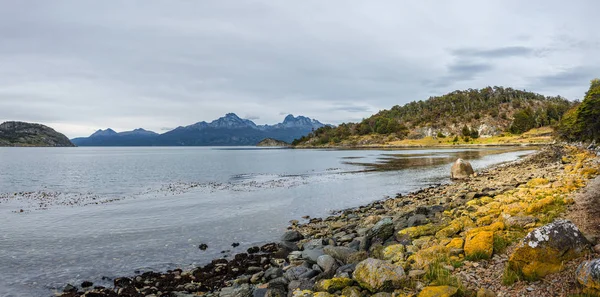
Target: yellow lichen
(479, 245)
(438, 291)
(456, 243)
(394, 253)
(334, 284)
(418, 231)
(453, 228)
(424, 257)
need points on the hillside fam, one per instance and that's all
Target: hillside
(229, 130)
(28, 134)
(465, 114)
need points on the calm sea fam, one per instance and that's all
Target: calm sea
(74, 214)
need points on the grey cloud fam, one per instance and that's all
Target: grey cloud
(502, 52)
(568, 77)
(98, 64)
(252, 117)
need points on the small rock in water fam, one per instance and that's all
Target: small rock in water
(235, 244)
(253, 250)
(70, 289)
(86, 284)
(203, 246)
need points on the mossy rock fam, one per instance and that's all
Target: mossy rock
(394, 253)
(378, 275)
(418, 231)
(544, 250)
(334, 284)
(479, 245)
(456, 243)
(439, 291)
(453, 228)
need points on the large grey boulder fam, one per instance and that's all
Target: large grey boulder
(461, 169)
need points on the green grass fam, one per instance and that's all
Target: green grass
(437, 275)
(500, 244)
(509, 277)
(477, 256)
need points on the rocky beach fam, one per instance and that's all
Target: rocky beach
(518, 229)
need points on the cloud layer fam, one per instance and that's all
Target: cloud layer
(83, 65)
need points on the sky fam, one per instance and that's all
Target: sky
(79, 66)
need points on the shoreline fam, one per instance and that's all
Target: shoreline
(275, 268)
(360, 147)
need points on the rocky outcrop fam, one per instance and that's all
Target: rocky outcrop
(588, 275)
(272, 142)
(29, 134)
(544, 250)
(461, 169)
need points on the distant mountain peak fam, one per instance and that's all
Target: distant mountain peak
(107, 132)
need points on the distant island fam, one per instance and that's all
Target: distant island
(29, 134)
(272, 142)
(229, 130)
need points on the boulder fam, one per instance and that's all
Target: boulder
(327, 263)
(461, 169)
(333, 285)
(417, 220)
(383, 230)
(479, 245)
(339, 252)
(588, 275)
(292, 236)
(311, 255)
(243, 290)
(438, 291)
(378, 275)
(544, 250)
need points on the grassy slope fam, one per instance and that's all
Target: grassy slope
(535, 136)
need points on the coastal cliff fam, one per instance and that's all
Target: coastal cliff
(29, 134)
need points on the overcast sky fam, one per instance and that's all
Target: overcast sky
(79, 66)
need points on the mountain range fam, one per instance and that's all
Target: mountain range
(228, 130)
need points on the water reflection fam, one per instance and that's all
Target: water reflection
(388, 162)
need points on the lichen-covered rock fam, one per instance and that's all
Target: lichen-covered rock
(394, 253)
(461, 169)
(378, 275)
(334, 284)
(456, 243)
(453, 227)
(438, 291)
(545, 249)
(352, 291)
(418, 231)
(519, 221)
(588, 275)
(479, 245)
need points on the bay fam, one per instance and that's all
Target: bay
(74, 214)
